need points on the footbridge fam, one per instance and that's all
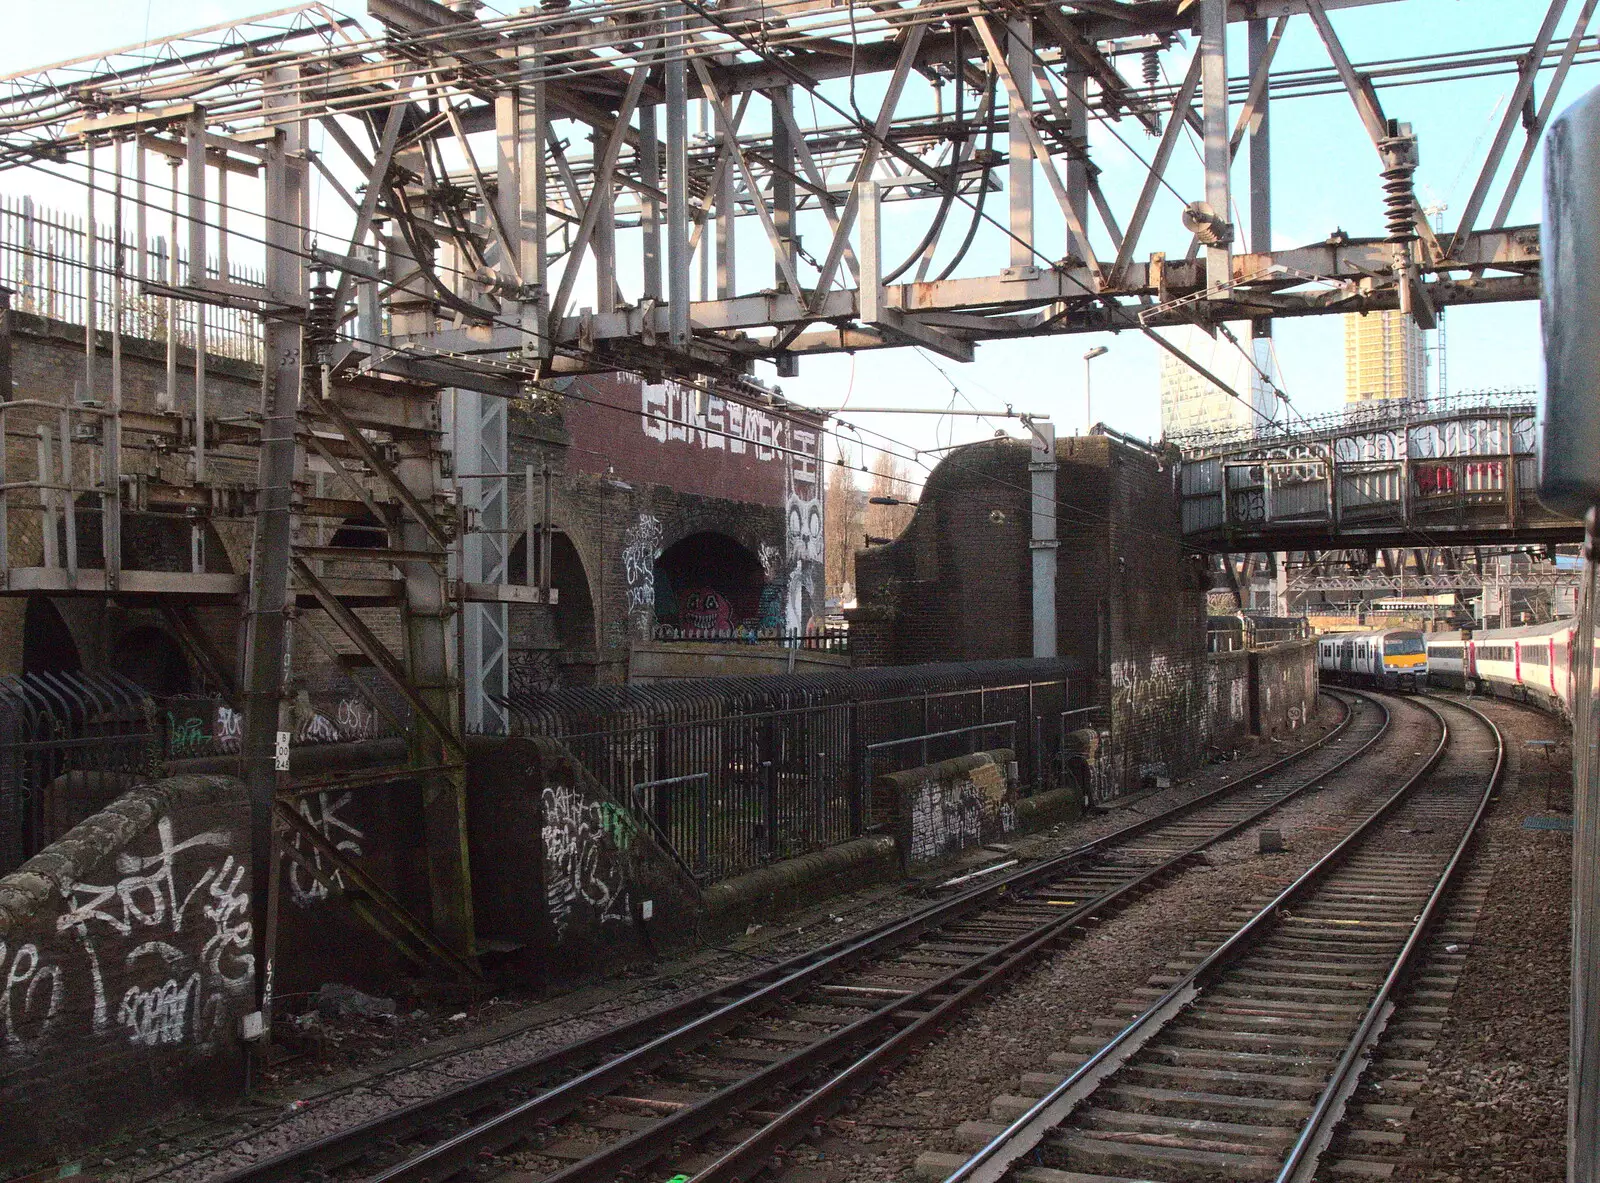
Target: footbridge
(1459, 472)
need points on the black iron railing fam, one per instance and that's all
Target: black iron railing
(733, 773)
(70, 744)
(825, 640)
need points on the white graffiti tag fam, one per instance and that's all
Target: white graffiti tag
(30, 998)
(356, 719)
(641, 548)
(194, 941)
(580, 858)
(323, 814)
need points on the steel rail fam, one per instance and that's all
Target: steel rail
(945, 995)
(1306, 1154)
(994, 1161)
(335, 1149)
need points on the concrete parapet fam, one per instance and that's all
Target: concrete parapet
(947, 807)
(771, 891)
(1284, 681)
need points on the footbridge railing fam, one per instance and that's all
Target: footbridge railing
(1440, 473)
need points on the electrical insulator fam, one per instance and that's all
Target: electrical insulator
(321, 318)
(1152, 68)
(1400, 158)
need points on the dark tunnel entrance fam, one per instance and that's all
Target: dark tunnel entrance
(709, 584)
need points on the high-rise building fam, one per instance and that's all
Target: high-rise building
(1192, 405)
(1385, 357)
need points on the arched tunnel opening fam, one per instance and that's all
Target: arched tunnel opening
(707, 582)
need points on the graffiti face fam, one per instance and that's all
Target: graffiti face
(704, 608)
(803, 545)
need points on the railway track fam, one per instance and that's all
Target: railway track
(1242, 1067)
(753, 1066)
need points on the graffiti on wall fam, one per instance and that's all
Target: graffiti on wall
(683, 414)
(705, 608)
(186, 736)
(532, 671)
(803, 534)
(583, 838)
(641, 547)
(154, 957)
(686, 414)
(322, 812)
(229, 728)
(951, 815)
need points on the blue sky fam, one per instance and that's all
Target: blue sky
(1326, 175)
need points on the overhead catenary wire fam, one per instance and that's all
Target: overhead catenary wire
(910, 455)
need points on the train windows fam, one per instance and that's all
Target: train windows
(1403, 646)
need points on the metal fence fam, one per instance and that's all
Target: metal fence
(69, 745)
(45, 257)
(733, 773)
(827, 640)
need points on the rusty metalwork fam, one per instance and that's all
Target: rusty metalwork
(512, 198)
(1415, 476)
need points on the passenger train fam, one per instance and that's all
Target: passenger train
(1392, 659)
(1531, 664)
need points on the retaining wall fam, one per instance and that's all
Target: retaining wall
(1285, 680)
(566, 881)
(125, 966)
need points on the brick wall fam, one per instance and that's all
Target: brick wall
(1228, 719)
(956, 585)
(125, 965)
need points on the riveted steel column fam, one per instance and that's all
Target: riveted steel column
(267, 613)
(1042, 540)
(1019, 182)
(677, 86)
(1218, 155)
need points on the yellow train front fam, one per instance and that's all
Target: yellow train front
(1393, 659)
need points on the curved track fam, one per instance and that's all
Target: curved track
(760, 1060)
(1243, 1068)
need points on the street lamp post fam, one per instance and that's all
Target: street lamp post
(1088, 401)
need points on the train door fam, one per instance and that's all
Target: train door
(1552, 665)
(1516, 659)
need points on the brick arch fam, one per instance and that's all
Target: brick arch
(154, 659)
(577, 621)
(149, 542)
(708, 580)
(48, 645)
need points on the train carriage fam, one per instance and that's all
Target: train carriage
(1391, 659)
(1532, 663)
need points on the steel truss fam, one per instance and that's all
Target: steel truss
(1463, 581)
(475, 246)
